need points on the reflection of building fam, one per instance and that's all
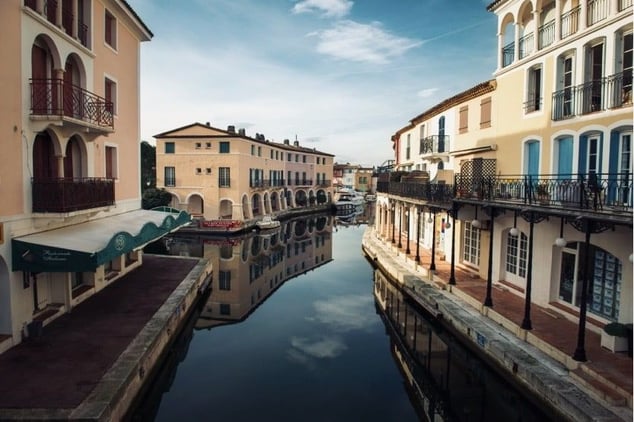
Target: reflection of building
(444, 380)
(227, 175)
(70, 221)
(249, 269)
(540, 166)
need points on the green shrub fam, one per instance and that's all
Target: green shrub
(618, 329)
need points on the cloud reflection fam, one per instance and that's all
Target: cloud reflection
(346, 313)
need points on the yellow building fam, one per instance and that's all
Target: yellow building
(70, 221)
(225, 176)
(541, 164)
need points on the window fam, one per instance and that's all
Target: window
(259, 151)
(110, 91)
(208, 170)
(225, 309)
(303, 158)
(288, 177)
(297, 158)
(170, 176)
(471, 250)
(516, 252)
(224, 280)
(252, 149)
(169, 148)
(198, 145)
(407, 148)
(288, 156)
(224, 148)
(485, 113)
(534, 92)
(199, 170)
(111, 163)
(271, 154)
(224, 177)
(110, 26)
(208, 145)
(76, 280)
(464, 119)
(624, 64)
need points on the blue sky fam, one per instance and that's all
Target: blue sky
(341, 75)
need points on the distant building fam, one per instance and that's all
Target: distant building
(218, 174)
(70, 220)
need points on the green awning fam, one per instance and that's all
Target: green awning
(85, 246)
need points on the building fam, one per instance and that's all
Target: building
(70, 221)
(226, 177)
(540, 161)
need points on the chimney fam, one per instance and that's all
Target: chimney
(207, 124)
(286, 142)
(231, 129)
(241, 132)
(296, 143)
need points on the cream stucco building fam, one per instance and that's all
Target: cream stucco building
(226, 177)
(70, 220)
(539, 182)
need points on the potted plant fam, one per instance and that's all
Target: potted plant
(542, 192)
(617, 337)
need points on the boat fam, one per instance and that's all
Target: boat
(268, 223)
(348, 196)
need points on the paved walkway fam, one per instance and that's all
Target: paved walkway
(608, 374)
(61, 368)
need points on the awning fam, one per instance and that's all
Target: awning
(85, 246)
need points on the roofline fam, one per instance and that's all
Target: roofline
(495, 4)
(137, 18)
(226, 134)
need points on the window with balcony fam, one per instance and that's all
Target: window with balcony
(224, 177)
(170, 176)
(564, 98)
(110, 27)
(224, 148)
(534, 90)
(485, 113)
(110, 90)
(592, 89)
(407, 147)
(463, 119)
(112, 171)
(169, 147)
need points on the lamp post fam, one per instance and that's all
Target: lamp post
(400, 226)
(393, 220)
(432, 267)
(580, 351)
(418, 235)
(452, 275)
(488, 300)
(407, 251)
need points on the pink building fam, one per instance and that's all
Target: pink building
(70, 219)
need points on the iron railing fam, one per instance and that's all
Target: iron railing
(71, 194)
(596, 95)
(596, 191)
(546, 34)
(434, 144)
(508, 54)
(533, 103)
(570, 22)
(54, 97)
(526, 45)
(597, 11)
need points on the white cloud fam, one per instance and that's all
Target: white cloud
(329, 8)
(346, 313)
(426, 93)
(325, 347)
(370, 43)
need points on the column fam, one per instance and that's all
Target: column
(580, 351)
(488, 300)
(58, 92)
(583, 15)
(452, 275)
(58, 15)
(516, 45)
(536, 36)
(75, 9)
(526, 322)
(557, 21)
(500, 47)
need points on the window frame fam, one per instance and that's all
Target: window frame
(110, 30)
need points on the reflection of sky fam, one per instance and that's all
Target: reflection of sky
(337, 315)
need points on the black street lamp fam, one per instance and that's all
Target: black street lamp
(407, 251)
(418, 235)
(393, 220)
(452, 275)
(432, 267)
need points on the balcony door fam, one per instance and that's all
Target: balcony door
(593, 94)
(43, 96)
(532, 159)
(44, 161)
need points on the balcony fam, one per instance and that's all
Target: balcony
(72, 194)
(546, 34)
(597, 11)
(526, 44)
(570, 22)
(55, 98)
(49, 12)
(434, 147)
(300, 182)
(508, 54)
(597, 95)
(265, 183)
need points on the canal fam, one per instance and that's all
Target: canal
(299, 326)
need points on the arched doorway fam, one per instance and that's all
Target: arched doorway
(195, 205)
(226, 209)
(74, 159)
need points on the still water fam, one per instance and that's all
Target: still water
(299, 326)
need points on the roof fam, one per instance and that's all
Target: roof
(137, 17)
(495, 4)
(181, 133)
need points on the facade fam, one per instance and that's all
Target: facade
(227, 177)
(539, 194)
(70, 223)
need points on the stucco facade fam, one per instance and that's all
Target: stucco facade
(220, 174)
(70, 166)
(540, 188)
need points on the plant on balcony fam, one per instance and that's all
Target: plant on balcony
(543, 194)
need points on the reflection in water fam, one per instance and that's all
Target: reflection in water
(445, 382)
(248, 269)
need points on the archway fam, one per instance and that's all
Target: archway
(195, 205)
(44, 161)
(226, 209)
(74, 159)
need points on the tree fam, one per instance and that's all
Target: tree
(153, 198)
(148, 166)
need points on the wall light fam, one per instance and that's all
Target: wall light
(560, 242)
(514, 231)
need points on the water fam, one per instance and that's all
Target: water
(292, 331)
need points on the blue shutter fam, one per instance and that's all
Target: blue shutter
(564, 159)
(583, 154)
(613, 166)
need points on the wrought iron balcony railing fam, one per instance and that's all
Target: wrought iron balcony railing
(601, 192)
(508, 54)
(601, 94)
(570, 22)
(526, 44)
(434, 144)
(54, 97)
(546, 34)
(300, 182)
(266, 183)
(71, 194)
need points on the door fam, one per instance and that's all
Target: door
(564, 158)
(625, 169)
(441, 134)
(596, 78)
(532, 159)
(39, 95)
(568, 100)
